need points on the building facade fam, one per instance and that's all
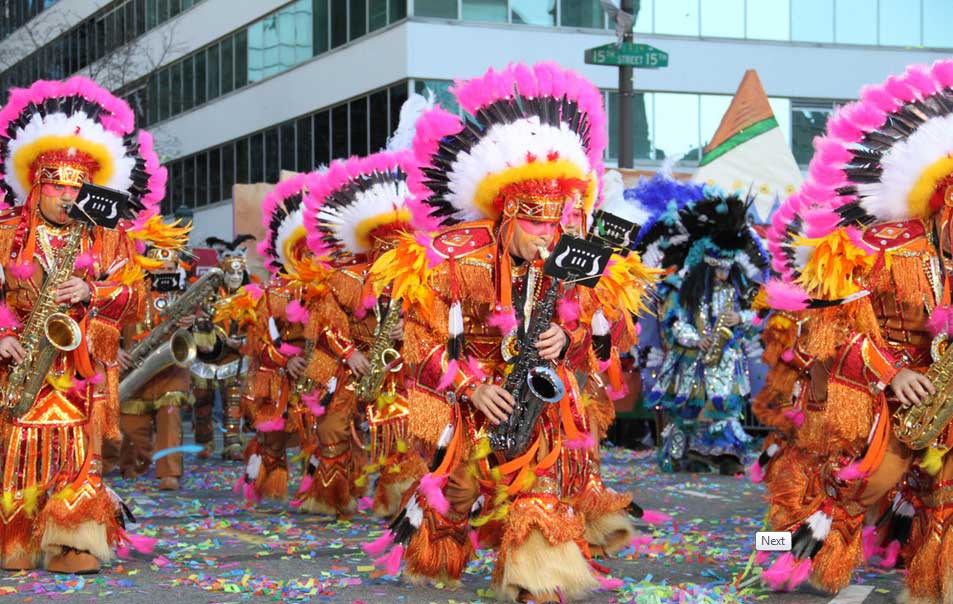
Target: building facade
(238, 90)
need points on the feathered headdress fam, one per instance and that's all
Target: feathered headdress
(886, 157)
(356, 201)
(229, 249)
(534, 138)
(282, 215)
(73, 132)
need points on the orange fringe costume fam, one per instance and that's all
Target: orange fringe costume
(876, 211)
(55, 504)
(464, 294)
(274, 400)
(355, 211)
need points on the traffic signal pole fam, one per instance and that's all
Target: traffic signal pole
(626, 140)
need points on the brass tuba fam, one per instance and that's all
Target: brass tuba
(159, 350)
(918, 426)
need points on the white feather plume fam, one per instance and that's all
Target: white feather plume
(615, 203)
(410, 112)
(382, 198)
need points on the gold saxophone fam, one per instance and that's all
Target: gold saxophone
(382, 356)
(304, 384)
(168, 344)
(918, 426)
(720, 334)
(48, 331)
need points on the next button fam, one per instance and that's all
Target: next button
(773, 542)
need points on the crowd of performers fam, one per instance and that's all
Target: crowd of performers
(440, 337)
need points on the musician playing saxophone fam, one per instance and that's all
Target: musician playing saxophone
(151, 420)
(56, 511)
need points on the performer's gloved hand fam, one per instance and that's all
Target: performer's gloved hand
(493, 401)
(358, 364)
(551, 342)
(10, 348)
(911, 387)
(732, 318)
(124, 360)
(73, 291)
(296, 367)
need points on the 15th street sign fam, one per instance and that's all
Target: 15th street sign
(628, 54)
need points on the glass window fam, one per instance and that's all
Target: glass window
(435, 8)
(769, 20)
(484, 10)
(678, 17)
(177, 190)
(398, 10)
(289, 158)
(187, 167)
(304, 44)
(322, 139)
(284, 43)
(214, 73)
(899, 26)
(188, 83)
(164, 89)
(215, 175)
(712, 109)
(228, 170)
(533, 12)
(378, 121)
(163, 15)
(856, 22)
(140, 17)
(256, 162)
(339, 134)
(584, 13)
(359, 126)
(812, 20)
(241, 59)
(723, 18)
(151, 16)
(241, 161)
(398, 96)
(377, 14)
(256, 51)
(152, 105)
(176, 93)
(320, 26)
(272, 171)
(228, 64)
(304, 147)
(676, 125)
(174, 8)
(807, 122)
(642, 124)
(201, 180)
(338, 23)
(937, 17)
(201, 92)
(358, 18)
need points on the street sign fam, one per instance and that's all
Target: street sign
(628, 54)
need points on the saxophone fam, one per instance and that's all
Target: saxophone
(48, 331)
(918, 426)
(168, 344)
(304, 384)
(720, 334)
(383, 356)
(532, 382)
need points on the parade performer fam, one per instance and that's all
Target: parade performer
(221, 367)
(81, 280)
(284, 358)
(865, 255)
(151, 419)
(702, 383)
(355, 210)
(497, 188)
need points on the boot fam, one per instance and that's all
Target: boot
(169, 483)
(73, 562)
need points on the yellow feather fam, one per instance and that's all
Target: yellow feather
(834, 265)
(932, 460)
(59, 383)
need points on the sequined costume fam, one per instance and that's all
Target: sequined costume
(466, 297)
(864, 268)
(151, 419)
(54, 137)
(354, 211)
(220, 366)
(702, 381)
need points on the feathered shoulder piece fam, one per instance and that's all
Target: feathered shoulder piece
(239, 307)
(408, 269)
(625, 285)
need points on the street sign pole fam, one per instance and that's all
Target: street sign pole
(626, 141)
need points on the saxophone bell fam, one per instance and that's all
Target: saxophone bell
(62, 332)
(182, 348)
(544, 383)
(390, 358)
